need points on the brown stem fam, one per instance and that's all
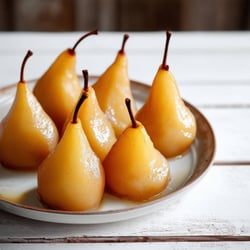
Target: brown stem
(94, 32)
(28, 54)
(125, 38)
(132, 118)
(164, 60)
(86, 80)
(83, 97)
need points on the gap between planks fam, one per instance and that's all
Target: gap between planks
(231, 163)
(129, 239)
(224, 106)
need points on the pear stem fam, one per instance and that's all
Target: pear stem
(164, 60)
(28, 54)
(94, 32)
(125, 38)
(83, 97)
(86, 80)
(132, 118)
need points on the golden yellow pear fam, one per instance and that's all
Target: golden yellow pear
(134, 168)
(72, 177)
(112, 88)
(97, 127)
(27, 133)
(59, 88)
(168, 121)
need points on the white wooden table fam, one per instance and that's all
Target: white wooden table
(213, 73)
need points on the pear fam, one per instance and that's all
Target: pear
(112, 87)
(97, 127)
(27, 133)
(72, 177)
(134, 168)
(168, 121)
(59, 88)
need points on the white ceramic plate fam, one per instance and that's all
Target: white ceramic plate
(18, 188)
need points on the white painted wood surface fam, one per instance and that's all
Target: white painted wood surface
(132, 246)
(213, 73)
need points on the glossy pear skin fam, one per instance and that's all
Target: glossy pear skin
(97, 127)
(169, 123)
(111, 89)
(27, 134)
(134, 168)
(72, 177)
(59, 88)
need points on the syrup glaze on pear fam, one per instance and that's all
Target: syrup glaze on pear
(112, 87)
(72, 177)
(168, 121)
(134, 169)
(59, 88)
(27, 133)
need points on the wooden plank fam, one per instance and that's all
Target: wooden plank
(139, 41)
(193, 58)
(231, 127)
(210, 209)
(220, 94)
(132, 246)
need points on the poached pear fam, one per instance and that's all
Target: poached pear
(59, 87)
(72, 177)
(134, 168)
(112, 87)
(168, 121)
(97, 127)
(27, 133)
